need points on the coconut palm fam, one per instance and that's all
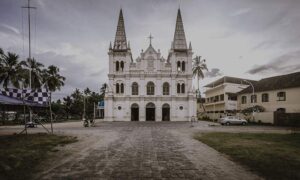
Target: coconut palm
(51, 78)
(198, 67)
(103, 89)
(36, 73)
(68, 105)
(10, 69)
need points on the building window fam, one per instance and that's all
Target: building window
(122, 88)
(182, 66)
(117, 88)
(119, 107)
(166, 89)
(178, 66)
(183, 88)
(265, 97)
(216, 98)
(253, 99)
(281, 110)
(207, 100)
(181, 107)
(211, 99)
(281, 96)
(222, 97)
(244, 99)
(117, 66)
(178, 88)
(150, 88)
(135, 88)
(122, 65)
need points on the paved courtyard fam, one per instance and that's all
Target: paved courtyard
(141, 150)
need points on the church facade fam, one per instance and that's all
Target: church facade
(151, 87)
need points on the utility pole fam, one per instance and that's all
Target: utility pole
(28, 7)
(251, 97)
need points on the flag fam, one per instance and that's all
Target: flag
(40, 96)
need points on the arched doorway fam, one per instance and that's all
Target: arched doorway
(166, 112)
(134, 112)
(150, 112)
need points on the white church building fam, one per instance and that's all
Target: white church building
(151, 87)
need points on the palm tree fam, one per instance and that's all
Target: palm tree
(103, 89)
(51, 78)
(10, 69)
(68, 105)
(198, 67)
(36, 73)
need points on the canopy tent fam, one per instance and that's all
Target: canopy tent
(6, 100)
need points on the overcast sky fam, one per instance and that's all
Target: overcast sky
(242, 38)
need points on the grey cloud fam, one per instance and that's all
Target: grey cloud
(285, 63)
(9, 29)
(214, 72)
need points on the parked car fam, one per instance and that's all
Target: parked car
(232, 120)
(31, 124)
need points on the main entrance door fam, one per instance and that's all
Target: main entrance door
(150, 112)
(166, 112)
(134, 112)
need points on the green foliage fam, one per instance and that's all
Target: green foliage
(273, 156)
(256, 108)
(14, 73)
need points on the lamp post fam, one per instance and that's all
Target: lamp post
(250, 97)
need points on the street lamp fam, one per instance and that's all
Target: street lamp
(251, 97)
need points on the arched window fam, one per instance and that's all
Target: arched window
(117, 88)
(281, 96)
(178, 88)
(166, 89)
(244, 99)
(265, 97)
(182, 88)
(150, 88)
(135, 89)
(253, 99)
(122, 65)
(183, 66)
(178, 66)
(117, 66)
(122, 88)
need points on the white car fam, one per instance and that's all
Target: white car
(232, 120)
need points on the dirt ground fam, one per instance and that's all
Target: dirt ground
(141, 150)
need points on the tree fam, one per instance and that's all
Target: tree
(11, 72)
(103, 89)
(198, 67)
(36, 73)
(77, 105)
(67, 105)
(51, 78)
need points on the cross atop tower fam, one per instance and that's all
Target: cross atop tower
(150, 38)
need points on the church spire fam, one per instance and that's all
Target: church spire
(120, 39)
(179, 42)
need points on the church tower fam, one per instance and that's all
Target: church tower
(119, 60)
(180, 56)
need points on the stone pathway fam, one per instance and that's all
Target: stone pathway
(141, 151)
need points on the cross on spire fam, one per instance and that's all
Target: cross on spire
(150, 38)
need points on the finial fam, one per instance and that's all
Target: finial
(150, 37)
(128, 46)
(110, 45)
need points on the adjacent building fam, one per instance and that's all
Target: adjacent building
(221, 96)
(278, 93)
(151, 87)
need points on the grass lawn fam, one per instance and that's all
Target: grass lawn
(20, 155)
(273, 156)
